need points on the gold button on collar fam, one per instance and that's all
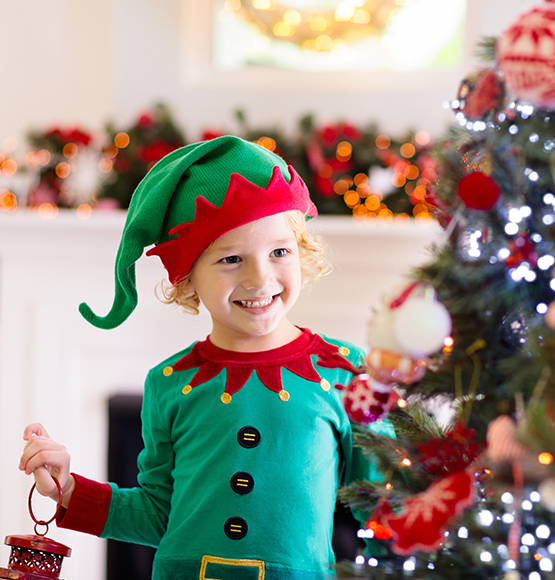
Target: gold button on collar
(167, 371)
(343, 350)
(187, 389)
(284, 395)
(325, 385)
(226, 398)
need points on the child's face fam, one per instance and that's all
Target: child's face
(249, 279)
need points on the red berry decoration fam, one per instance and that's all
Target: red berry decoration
(365, 399)
(525, 55)
(478, 191)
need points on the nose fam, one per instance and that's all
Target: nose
(257, 275)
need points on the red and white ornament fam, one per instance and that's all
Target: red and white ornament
(525, 56)
(366, 400)
(502, 441)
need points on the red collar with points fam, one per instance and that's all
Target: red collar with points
(295, 357)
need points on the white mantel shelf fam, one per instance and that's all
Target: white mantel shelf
(57, 369)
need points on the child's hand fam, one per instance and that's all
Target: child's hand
(45, 459)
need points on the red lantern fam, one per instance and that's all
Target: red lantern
(35, 557)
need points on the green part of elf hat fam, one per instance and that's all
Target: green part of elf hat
(188, 200)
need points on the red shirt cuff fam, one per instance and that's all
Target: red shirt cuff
(88, 508)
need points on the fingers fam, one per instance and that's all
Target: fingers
(44, 453)
(45, 459)
(34, 429)
(44, 482)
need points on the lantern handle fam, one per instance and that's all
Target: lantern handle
(43, 522)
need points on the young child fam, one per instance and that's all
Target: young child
(245, 437)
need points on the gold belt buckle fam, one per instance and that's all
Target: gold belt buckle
(230, 562)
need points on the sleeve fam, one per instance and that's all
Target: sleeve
(88, 508)
(362, 467)
(140, 514)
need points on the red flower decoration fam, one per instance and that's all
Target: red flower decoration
(77, 136)
(324, 186)
(328, 135)
(452, 453)
(425, 517)
(209, 134)
(350, 132)
(146, 120)
(521, 249)
(155, 151)
(73, 135)
(478, 191)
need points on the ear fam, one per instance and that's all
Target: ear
(187, 285)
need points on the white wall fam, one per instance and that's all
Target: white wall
(89, 61)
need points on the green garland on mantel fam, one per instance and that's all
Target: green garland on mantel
(349, 169)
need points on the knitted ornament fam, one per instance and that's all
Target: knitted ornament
(366, 400)
(525, 55)
(189, 199)
(547, 493)
(425, 517)
(550, 316)
(478, 191)
(502, 441)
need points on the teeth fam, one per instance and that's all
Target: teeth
(255, 303)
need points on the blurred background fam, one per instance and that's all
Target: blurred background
(94, 92)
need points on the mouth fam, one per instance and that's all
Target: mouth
(255, 303)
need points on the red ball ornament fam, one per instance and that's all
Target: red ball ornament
(481, 93)
(478, 191)
(525, 55)
(365, 400)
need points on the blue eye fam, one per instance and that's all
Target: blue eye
(231, 260)
(279, 253)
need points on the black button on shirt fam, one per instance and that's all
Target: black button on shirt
(236, 528)
(248, 437)
(242, 482)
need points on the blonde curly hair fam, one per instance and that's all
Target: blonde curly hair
(312, 253)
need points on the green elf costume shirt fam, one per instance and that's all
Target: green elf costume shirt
(243, 452)
(235, 486)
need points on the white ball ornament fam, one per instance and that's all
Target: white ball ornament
(421, 325)
(525, 55)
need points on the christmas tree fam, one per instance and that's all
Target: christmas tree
(468, 486)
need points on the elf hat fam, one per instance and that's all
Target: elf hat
(188, 200)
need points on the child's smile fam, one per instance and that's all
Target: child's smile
(249, 279)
